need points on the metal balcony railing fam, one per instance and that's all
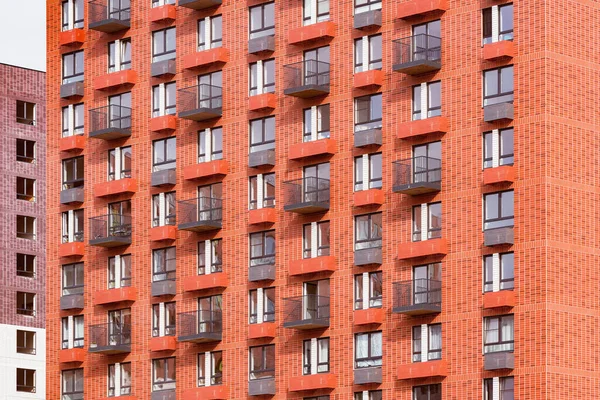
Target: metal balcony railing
(109, 15)
(202, 213)
(305, 195)
(419, 296)
(200, 326)
(417, 54)
(110, 121)
(110, 338)
(111, 229)
(306, 312)
(307, 78)
(200, 102)
(417, 175)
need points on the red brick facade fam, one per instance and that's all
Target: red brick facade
(555, 178)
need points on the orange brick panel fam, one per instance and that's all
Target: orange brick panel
(218, 392)
(112, 188)
(203, 282)
(72, 143)
(71, 249)
(423, 370)
(312, 382)
(312, 149)
(165, 343)
(501, 49)
(206, 170)
(261, 102)
(111, 296)
(163, 123)
(423, 248)
(368, 316)
(503, 298)
(502, 174)
(261, 331)
(369, 197)
(72, 37)
(367, 79)
(71, 356)
(115, 79)
(167, 12)
(205, 58)
(160, 233)
(321, 30)
(422, 127)
(416, 8)
(312, 265)
(262, 216)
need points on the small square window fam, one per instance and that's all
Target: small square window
(25, 150)
(25, 342)
(26, 304)
(25, 112)
(26, 265)
(25, 380)
(25, 188)
(25, 227)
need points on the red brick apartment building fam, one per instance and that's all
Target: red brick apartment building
(319, 199)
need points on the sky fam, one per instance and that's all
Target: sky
(23, 33)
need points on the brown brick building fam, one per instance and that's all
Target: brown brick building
(323, 199)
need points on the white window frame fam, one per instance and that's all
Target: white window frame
(209, 368)
(208, 33)
(365, 46)
(313, 12)
(71, 330)
(260, 77)
(69, 222)
(162, 100)
(118, 55)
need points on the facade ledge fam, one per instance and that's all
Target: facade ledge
(312, 382)
(72, 249)
(424, 248)
(112, 188)
(501, 174)
(369, 316)
(204, 282)
(262, 102)
(72, 143)
(110, 296)
(160, 233)
(164, 13)
(312, 265)
(318, 31)
(163, 343)
(312, 149)
(426, 369)
(262, 216)
(499, 50)
(163, 123)
(72, 37)
(215, 392)
(371, 197)
(115, 79)
(423, 127)
(204, 58)
(260, 331)
(368, 79)
(206, 170)
(417, 8)
(500, 299)
(76, 355)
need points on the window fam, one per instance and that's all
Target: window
(72, 67)
(163, 264)
(316, 182)
(211, 362)
(316, 64)
(262, 198)
(320, 347)
(498, 86)
(25, 189)
(163, 44)
(163, 99)
(428, 392)
(262, 134)
(367, 53)
(500, 18)
(26, 265)
(427, 221)
(499, 210)
(119, 326)
(367, 112)
(506, 385)
(158, 3)
(26, 304)
(499, 335)
(315, 239)
(262, 362)
(367, 167)
(262, 77)
(368, 350)
(498, 148)
(72, 14)
(361, 6)
(368, 290)
(72, 173)
(72, 279)
(25, 113)
(316, 123)
(119, 379)
(262, 248)
(163, 374)
(368, 395)
(72, 384)
(119, 271)
(429, 347)
(368, 231)
(209, 201)
(25, 150)
(119, 55)
(315, 11)
(501, 265)
(25, 342)
(25, 380)
(163, 319)
(72, 332)
(262, 20)
(316, 299)
(72, 226)
(427, 283)
(163, 209)
(259, 315)
(210, 253)
(120, 110)
(210, 314)
(72, 120)
(210, 33)
(210, 144)
(119, 218)
(119, 163)
(427, 162)
(26, 227)
(164, 154)
(427, 100)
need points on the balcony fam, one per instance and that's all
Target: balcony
(72, 143)
(499, 360)
(417, 175)
(366, 198)
(503, 49)
(418, 297)
(164, 13)
(419, 8)
(262, 158)
(201, 214)
(204, 282)
(369, 316)
(204, 330)
(209, 169)
(72, 249)
(419, 370)
(500, 299)
(72, 301)
(113, 296)
(306, 195)
(163, 68)
(306, 312)
(206, 58)
(72, 195)
(365, 376)
(368, 256)
(110, 339)
(200, 103)
(110, 230)
(199, 4)
(499, 236)
(262, 102)
(108, 18)
(313, 32)
(263, 44)
(72, 37)
(266, 330)
(162, 233)
(165, 123)
(367, 137)
(262, 387)
(368, 79)
(262, 216)
(422, 127)
(72, 90)
(499, 175)
(110, 122)
(367, 20)
(215, 392)
(115, 80)
(163, 343)
(312, 265)
(312, 382)
(499, 112)
(418, 54)
(165, 177)
(424, 248)
(306, 79)
(165, 286)
(262, 272)
(116, 187)
(75, 355)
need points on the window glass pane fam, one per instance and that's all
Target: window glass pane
(491, 206)
(491, 82)
(506, 18)
(506, 75)
(508, 204)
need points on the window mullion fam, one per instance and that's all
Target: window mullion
(207, 34)
(207, 369)
(496, 388)
(70, 331)
(495, 23)
(207, 257)
(365, 291)
(495, 148)
(424, 221)
(424, 101)
(161, 319)
(424, 343)
(365, 173)
(495, 272)
(260, 312)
